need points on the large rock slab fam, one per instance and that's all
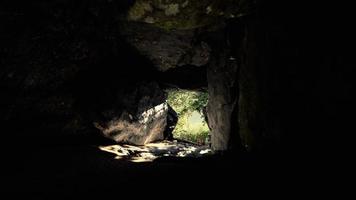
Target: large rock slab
(169, 32)
(143, 119)
(166, 49)
(186, 14)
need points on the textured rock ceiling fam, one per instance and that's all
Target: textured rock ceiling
(186, 14)
(165, 31)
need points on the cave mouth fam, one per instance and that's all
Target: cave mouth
(187, 127)
(190, 107)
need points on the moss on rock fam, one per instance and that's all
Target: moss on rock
(185, 14)
(139, 10)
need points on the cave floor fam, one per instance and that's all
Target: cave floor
(67, 169)
(64, 170)
(153, 151)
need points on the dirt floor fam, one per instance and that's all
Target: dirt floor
(153, 151)
(168, 167)
(77, 169)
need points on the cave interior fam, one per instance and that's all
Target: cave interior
(81, 80)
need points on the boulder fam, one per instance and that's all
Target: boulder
(142, 120)
(166, 49)
(169, 32)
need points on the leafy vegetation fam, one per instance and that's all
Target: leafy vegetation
(189, 106)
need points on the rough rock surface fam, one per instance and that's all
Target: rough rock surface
(141, 121)
(186, 14)
(223, 97)
(222, 101)
(64, 64)
(167, 49)
(153, 151)
(167, 32)
(68, 64)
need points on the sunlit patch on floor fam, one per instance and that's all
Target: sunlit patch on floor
(152, 151)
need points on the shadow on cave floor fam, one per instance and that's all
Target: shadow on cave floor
(84, 169)
(78, 169)
(158, 150)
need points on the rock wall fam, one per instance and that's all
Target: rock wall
(167, 49)
(292, 96)
(291, 99)
(64, 65)
(223, 86)
(186, 14)
(142, 119)
(279, 75)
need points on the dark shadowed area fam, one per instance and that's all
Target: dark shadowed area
(85, 103)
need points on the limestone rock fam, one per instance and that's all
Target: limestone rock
(167, 49)
(186, 14)
(142, 121)
(167, 32)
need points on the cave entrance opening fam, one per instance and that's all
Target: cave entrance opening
(187, 128)
(190, 109)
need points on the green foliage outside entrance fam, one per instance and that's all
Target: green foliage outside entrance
(189, 106)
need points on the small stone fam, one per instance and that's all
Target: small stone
(172, 9)
(185, 4)
(208, 10)
(149, 20)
